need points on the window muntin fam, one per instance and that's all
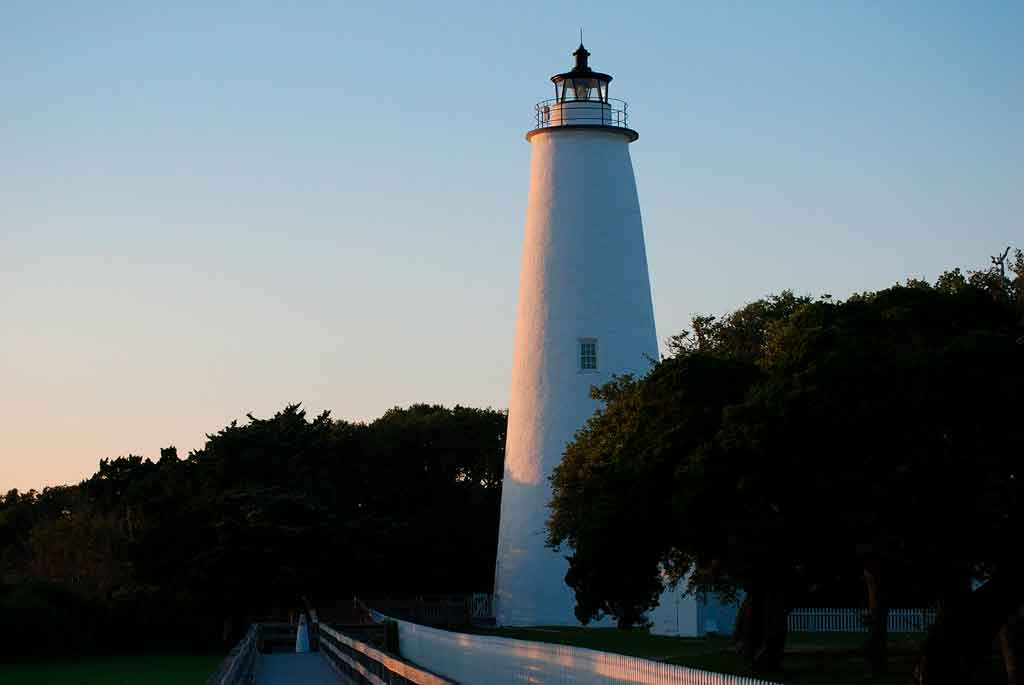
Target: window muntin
(588, 354)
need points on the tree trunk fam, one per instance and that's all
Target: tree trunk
(1010, 636)
(774, 621)
(964, 630)
(746, 635)
(876, 648)
(761, 627)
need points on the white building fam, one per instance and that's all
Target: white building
(584, 314)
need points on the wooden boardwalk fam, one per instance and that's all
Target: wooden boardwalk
(301, 669)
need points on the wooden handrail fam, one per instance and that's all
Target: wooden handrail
(397, 666)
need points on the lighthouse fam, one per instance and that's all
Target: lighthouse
(584, 315)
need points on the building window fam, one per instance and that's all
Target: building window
(588, 354)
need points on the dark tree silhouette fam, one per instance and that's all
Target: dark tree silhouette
(184, 552)
(796, 440)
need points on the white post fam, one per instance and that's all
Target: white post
(302, 635)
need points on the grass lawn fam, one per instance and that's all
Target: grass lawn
(152, 669)
(811, 658)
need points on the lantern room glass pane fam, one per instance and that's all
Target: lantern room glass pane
(583, 87)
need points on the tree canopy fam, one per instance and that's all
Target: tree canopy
(185, 550)
(799, 440)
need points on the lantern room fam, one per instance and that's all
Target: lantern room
(581, 99)
(582, 83)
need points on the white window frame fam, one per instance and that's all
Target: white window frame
(580, 357)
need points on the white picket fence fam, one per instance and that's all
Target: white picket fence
(853, 620)
(487, 660)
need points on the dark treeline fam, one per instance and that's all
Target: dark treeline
(183, 552)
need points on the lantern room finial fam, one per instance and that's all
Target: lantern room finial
(581, 69)
(581, 56)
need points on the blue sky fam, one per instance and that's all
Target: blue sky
(214, 208)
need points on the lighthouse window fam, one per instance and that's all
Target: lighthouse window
(588, 354)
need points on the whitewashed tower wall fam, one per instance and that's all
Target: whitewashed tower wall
(583, 279)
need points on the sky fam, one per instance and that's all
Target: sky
(213, 208)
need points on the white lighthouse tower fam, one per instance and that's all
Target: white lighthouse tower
(584, 314)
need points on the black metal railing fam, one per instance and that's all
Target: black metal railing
(549, 113)
(440, 611)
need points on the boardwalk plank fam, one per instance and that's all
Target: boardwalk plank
(305, 669)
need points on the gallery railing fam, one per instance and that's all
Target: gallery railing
(614, 113)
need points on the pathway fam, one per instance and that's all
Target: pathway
(301, 669)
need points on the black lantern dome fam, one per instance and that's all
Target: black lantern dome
(582, 83)
(581, 101)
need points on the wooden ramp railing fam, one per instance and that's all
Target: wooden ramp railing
(242, 664)
(353, 660)
(239, 666)
(360, 664)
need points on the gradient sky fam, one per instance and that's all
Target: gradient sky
(208, 209)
